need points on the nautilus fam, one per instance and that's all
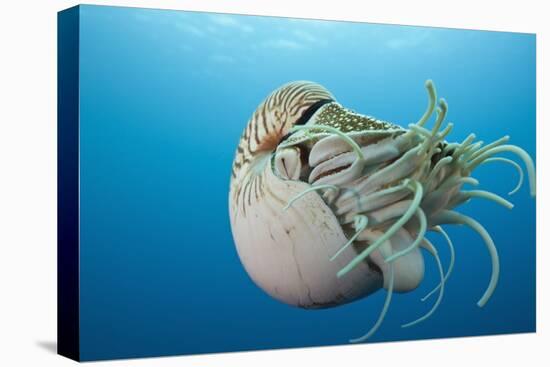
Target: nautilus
(328, 206)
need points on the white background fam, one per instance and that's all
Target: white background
(28, 184)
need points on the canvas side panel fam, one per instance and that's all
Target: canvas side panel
(68, 338)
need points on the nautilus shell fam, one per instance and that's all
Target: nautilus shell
(328, 206)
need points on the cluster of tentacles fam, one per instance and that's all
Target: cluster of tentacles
(401, 182)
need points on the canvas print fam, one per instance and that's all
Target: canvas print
(236, 182)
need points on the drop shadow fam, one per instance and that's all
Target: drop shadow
(48, 345)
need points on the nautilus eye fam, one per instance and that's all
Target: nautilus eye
(328, 206)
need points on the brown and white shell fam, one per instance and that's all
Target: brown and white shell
(287, 252)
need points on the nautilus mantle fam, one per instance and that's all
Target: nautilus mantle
(328, 206)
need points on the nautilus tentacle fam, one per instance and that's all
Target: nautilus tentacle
(451, 262)
(328, 206)
(428, 245)
(385, 251)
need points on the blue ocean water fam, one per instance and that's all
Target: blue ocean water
(164, 98)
